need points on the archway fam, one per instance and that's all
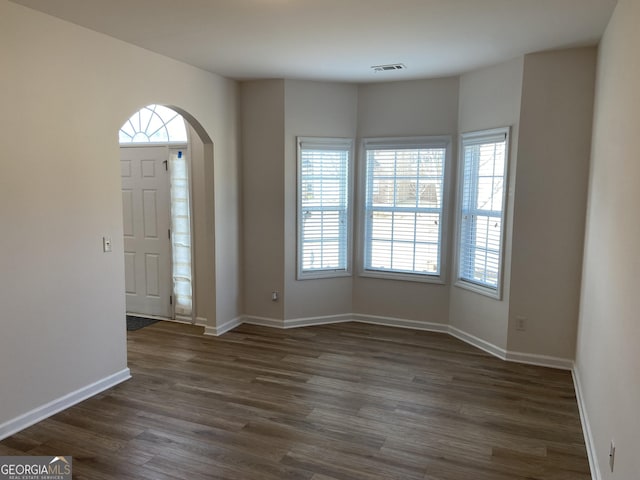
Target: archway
(157, 172)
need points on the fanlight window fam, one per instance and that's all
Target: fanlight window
(154, 124)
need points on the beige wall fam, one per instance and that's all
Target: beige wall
(487, 98)
(66, 91)
(608, 356)
(490, 98)
(319, 110)
(423, 107)
(263, 196)
(418, 107)
(427, 107)
(226, 235)
(547, 100)
(203, 259)
(550, 200)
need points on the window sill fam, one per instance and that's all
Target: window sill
(404, 277)
(479, 289)
(323, 274)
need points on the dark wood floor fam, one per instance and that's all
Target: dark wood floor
(346, 401)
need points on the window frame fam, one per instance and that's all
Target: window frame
(482, 289)
(165, 115)
(329, 143)
(434, 141)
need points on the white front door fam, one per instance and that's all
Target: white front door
(147, 219)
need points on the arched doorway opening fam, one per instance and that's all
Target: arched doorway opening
(156, 172)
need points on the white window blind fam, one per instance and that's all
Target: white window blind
(404, 207)
(323, 207)
(482, 203)
(180, 232)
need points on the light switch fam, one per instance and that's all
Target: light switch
(106, 244)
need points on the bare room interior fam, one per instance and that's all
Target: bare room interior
(370, 239)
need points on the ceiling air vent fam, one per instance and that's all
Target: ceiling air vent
(388, 68)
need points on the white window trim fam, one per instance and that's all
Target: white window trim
(329, 143)
(158, 111)
(459, 282)
(404, 142)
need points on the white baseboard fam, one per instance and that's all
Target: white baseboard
(478, 342)
(347, 317)
(540, 360)
(400, 323)
(45, 411)
(311, 321)
(224, 328)
(236, 322)
(586, 426)
(263, 321)
(275, 322)
(201, 321)
(518, 357)
(509, 355)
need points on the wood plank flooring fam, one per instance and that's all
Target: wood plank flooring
(339, 402)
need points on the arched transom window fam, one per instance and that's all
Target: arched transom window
(154, 124)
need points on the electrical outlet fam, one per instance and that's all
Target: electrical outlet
(521, 324)
(612, 454)
(274, 296)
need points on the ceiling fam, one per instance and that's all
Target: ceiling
(339, 40)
